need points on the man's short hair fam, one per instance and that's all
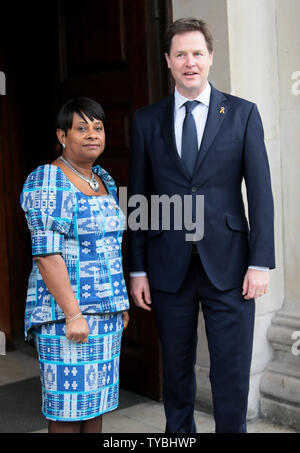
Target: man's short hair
(185, 25)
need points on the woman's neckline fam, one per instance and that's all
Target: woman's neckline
(108, 194)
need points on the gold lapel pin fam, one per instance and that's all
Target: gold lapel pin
(222, 110)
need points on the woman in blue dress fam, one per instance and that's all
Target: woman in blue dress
(77, 302)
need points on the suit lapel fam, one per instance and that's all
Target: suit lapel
(167, 128)
(218, 109)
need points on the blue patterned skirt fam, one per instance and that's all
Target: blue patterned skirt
(80, 380)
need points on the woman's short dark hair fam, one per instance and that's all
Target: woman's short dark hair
(83, 107)
(185, 25)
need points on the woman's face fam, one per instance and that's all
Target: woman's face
(85, 141)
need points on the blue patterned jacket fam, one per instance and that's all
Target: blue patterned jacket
(87, 231)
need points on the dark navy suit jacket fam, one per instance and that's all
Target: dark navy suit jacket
(232, 149)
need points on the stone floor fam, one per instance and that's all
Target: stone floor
(145, 417)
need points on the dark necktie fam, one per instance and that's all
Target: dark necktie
(189, 144)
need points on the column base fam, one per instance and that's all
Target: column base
(280, 384)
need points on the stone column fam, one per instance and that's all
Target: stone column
(254, 76)
(280, 386)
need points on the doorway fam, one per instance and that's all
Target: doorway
(111, 51)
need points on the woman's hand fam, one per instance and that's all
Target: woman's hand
(77, 330)
(125, 317)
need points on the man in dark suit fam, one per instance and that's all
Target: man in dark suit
(199, 141)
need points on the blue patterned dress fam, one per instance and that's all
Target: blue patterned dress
(79, 380)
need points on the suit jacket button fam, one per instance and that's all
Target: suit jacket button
(194, 189)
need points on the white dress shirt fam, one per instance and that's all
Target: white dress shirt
(199, 113)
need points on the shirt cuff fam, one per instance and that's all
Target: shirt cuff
(259, 268)
(137, 274)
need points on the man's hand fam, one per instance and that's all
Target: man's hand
(255, 284)
(140, 292)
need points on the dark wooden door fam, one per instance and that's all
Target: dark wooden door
(109, 50)
(103, 55)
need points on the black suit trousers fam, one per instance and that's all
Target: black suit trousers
(229, 324)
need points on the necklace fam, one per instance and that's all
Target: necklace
(92, 182)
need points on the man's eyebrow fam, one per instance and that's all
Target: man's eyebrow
(183, 51)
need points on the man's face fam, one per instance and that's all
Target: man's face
(189, 61)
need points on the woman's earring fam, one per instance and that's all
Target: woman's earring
(63, 145)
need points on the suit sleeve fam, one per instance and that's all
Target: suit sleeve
(138, 181)
(259, 194)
